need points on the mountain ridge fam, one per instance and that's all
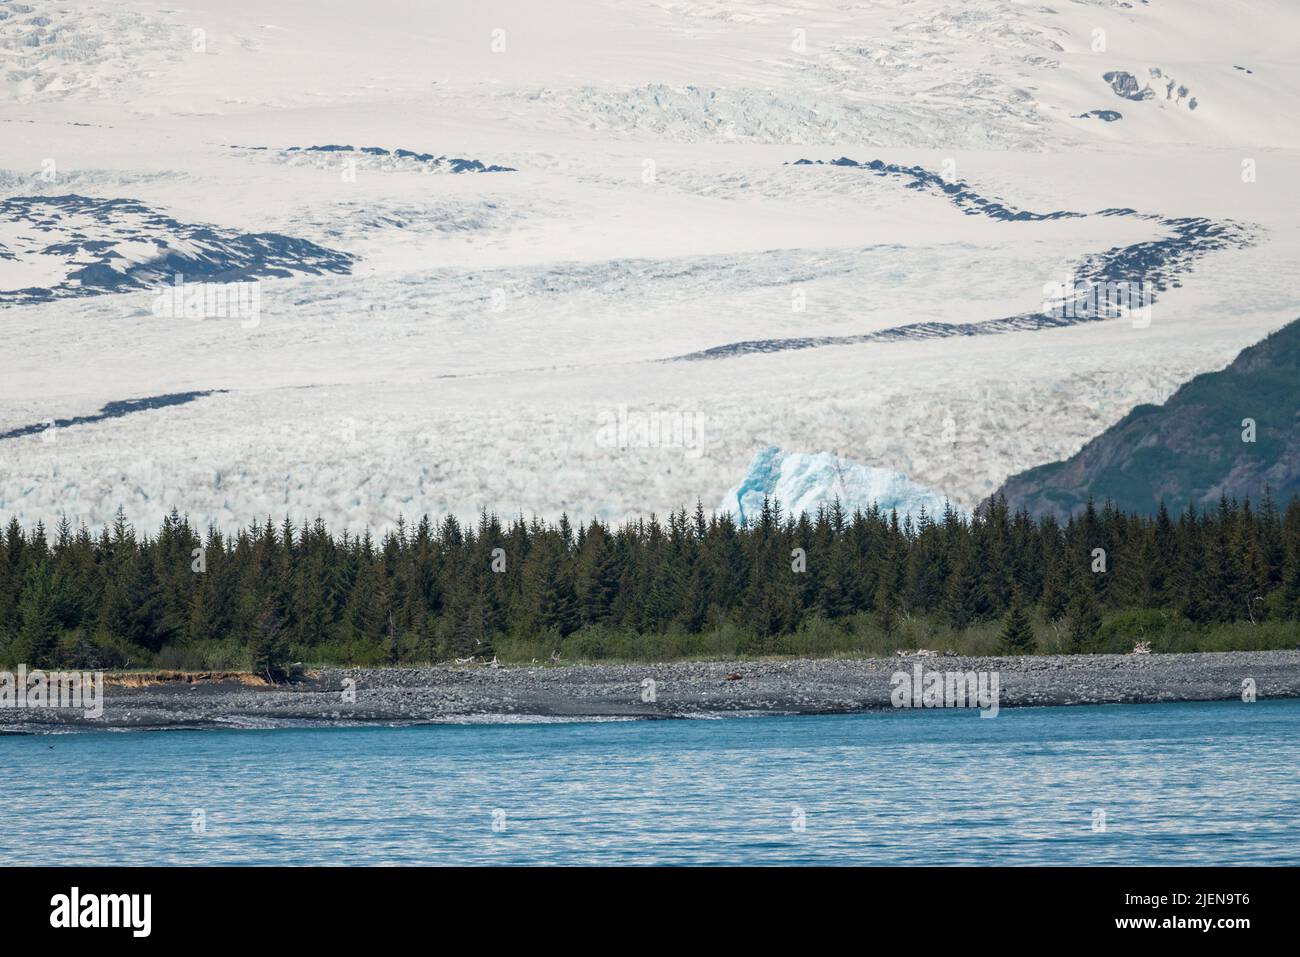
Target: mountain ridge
(1234, 432)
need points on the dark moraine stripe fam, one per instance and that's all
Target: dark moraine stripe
(114, 410)
(1159, 263)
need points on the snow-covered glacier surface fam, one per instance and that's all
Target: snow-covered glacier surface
(803, 482)
(591, 256)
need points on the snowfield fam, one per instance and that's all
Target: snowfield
(565, 257)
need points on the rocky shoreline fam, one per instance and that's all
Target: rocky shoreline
(673, 690)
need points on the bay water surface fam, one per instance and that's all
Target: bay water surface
(1190, 783)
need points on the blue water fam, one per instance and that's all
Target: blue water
(1215, 783)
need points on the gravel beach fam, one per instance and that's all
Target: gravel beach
(680, 689)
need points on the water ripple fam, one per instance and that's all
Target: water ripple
(1200, 783)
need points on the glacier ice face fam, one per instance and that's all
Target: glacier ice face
(803, 482)
(488, 323)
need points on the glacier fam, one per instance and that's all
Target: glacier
(829, 232)
(805, 482)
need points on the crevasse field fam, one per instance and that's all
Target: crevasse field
(546, 257)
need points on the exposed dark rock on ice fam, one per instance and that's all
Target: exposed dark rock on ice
(118, 245)
(398, 157)
(112, 410)
(1126, 85)
(960, 194)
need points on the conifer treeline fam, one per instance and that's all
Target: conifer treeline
(432, 592)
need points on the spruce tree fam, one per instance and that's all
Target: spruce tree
(598, 576)
(1084, 620)
(39, 632)
(270, 651)
(886, 608)
(201, 617)
(466, 636)
(1291, 585)
(1017, 636)
(965, 601)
